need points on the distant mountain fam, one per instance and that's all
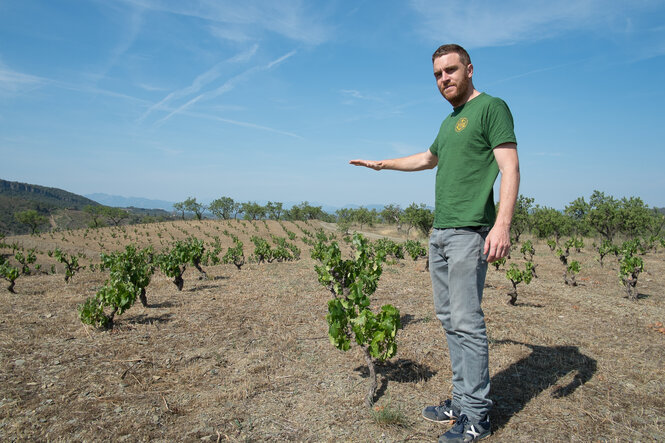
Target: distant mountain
(126, 202)
(42, 196)
(16, 197)
(64, 210)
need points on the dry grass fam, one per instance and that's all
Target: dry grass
(244, 355)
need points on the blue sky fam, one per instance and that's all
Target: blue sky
(269, 100)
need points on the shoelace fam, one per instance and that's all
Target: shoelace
(460, 424)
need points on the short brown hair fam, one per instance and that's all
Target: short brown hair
(452, 48)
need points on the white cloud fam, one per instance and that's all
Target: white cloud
(246, 124)
(229, 85)
(13, 82)
(199, 83)
(478, 23)
(295, 19)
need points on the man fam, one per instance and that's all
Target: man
(475, 142)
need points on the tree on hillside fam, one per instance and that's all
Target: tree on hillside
(548, 222)
(635, 216)
(224, 208)
(274, 210)
(344, 215)
(180, 207)
(115, 215)
(96, 213)
(392, 214)
(419, 217)
(31, 218)
(521, 216)
(305, 211)
(344, 220)
(656, 222)
(578, 212)
(190, 205)
(252, 211)
(604, 214)
(364, 216)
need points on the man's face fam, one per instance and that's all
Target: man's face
(453, 78)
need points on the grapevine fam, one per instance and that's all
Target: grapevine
(351, 283)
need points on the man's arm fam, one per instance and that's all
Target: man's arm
(415, 162)
(497, 243)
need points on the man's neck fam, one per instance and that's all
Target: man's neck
(474, 93)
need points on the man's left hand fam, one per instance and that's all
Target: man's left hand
(497, 243)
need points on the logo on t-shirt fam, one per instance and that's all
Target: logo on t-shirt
(461, 124)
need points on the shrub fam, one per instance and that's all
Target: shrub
(351, 283)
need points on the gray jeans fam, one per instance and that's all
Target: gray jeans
(458, 267)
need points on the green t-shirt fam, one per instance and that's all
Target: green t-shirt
(467, 168)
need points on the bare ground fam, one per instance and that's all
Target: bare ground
(244, 355)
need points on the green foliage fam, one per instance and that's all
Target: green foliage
(419, 217)
(274, 210)
(606, 247)
(115, 215)
(32, 218)
(262, 250)
(9, 273)
(389, 248)
(521, 217)
(352, 282)
(71, 262)
(527, 250)
(389, 416)
(603, 214)
(363, 216)
(548, 222)
(499, 262)
(517, 276)
(253, 211)
(224, 208)
(235, 255)
(280, 252)
(392, 214)
(173, 263)
(135, 266)
(130, 272)
(25, 260)
(415, 249)
(191, 205)
(576, 243)
(573, 267)
(578, 213)
(304, 211)
(630, 267)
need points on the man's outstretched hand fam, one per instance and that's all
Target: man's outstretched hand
(377, 166)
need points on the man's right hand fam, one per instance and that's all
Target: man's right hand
(376, 165)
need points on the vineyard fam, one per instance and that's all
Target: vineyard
(226, 330)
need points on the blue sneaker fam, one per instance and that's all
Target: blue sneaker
(464, 431)
(445, 413)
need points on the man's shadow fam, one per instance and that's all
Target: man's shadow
(515, 386)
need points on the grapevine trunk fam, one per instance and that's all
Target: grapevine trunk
(371, 393)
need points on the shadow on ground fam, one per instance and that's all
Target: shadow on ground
(407, 319)
(515, 386)
(400, 370)
(143, 319)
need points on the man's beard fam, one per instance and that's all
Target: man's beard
(461, 92)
